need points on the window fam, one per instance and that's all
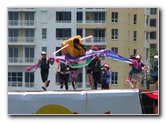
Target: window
(99, 35)
(44, 33)
(153, 46)
(153, 11)
(135, 51)
(153, 35)
(64, 17)
(13, 55)
(115, 49)
(44, 49)
(135, 19)
(99, 17)
(13, 35)
(99, 32)
(114, 33)
(29, 34)
(152, 22)
(13, 15)
(135, 35)
(114, 78)
(29, 79)
(80, 32)
(79, 17)
(59, 53)
(15, 79)
(13, 18)
(29, 54)
(114, 17)
(64, 33)
(29, 17)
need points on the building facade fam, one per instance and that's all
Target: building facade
(125, 31)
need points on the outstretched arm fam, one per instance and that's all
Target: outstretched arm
(37, 65)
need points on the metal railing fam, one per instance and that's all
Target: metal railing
(21, 22)
(20, 84)
(63, 21)
(21, 39)
(20, 60)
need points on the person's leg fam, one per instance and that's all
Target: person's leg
(62, 80)
(95, 80)
(155, 83)
(134, 81)
(66, 81)
(43, 77)
(90, 79)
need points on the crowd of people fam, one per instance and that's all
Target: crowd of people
(96, 73)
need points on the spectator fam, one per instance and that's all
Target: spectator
(64, 74)
(136, 77)
(106, 76)
(155, 71)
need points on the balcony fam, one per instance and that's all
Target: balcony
(21, 61)
(63, 21)
(95, 9)
(21, 40)
(96, 41)
(21, 23)
(62, 38)
(95, 21)
(21, 9)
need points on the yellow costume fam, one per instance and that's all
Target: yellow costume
(74, 48)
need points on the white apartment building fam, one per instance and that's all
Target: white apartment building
(32, 30)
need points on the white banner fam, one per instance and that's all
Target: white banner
(75, 102)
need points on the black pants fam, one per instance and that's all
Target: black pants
(44, 74)
(97, 78)
(64, 80)
(104, 85)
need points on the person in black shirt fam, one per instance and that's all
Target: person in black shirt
(96, 69)
(44, 66)
(64, 74)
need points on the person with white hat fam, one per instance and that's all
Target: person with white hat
(155, 72)
(44, 66)
(136, 77)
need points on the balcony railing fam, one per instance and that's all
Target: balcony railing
(63, 21)
(20, 60)
(20, 84)
(62, 38)
(15, 83)
(95, 21)
(96, 40)
(21, 39)
(21, 22)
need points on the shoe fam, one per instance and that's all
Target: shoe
(48, 83)
(43, 88)
(61, 86)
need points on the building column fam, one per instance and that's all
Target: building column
(83, 78)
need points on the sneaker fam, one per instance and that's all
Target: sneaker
(43, 88)
(48, 83)
(61, 86)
